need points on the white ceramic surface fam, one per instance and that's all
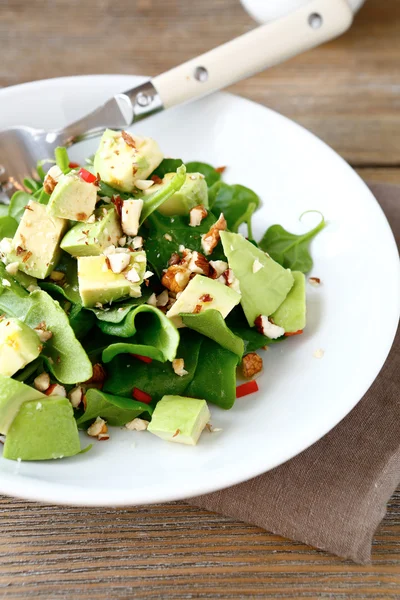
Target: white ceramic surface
(269, 10)
(352, 316)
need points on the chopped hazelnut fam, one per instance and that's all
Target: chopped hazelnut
(75, 396)
(42, 382)
(178, 365)
(137, 425)
(252, 364)
(197, 214)
(210, 239)
(97, 428)
(176, 278)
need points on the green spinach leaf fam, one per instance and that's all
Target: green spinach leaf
(81, 320)
(288, 249)
(211, 324)
(116, 410)
(4, 210)
(8, 226)
(210, 174)
(62, 159)
(237, 202)
(118, 311)
(17, 205)
(69, 287)
(237, 323)
(168, 165)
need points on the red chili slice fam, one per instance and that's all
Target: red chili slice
(73, 165)
(145, 359)
(141, 396)
(246, 388)
(290, 333)
(87, 176)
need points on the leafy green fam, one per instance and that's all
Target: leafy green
(159, 249)
(62, 159)
(211, 324)
(63, 354)
(13, 286)
(215, 377)
(8, 226)
(39, 166)
(167, 165)
(81, 320)
(288, 249)
(110, 192)
(31, 369)
(156, 379)
(4, 210)
(32, 184)
(118, 311)
(237, 202)
(69, 288)
(153, 201)
(237, 323)
(17, 205)
(116, 410)
(147, 331)
(210, 174)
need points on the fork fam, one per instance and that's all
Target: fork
(267, 45)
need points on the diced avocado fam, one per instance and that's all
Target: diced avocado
(12, 395)
(264, 284)
(122, 158)
(193, 192)
(90, 239)
(291, 315)
(43, 429)
(35, 245)
(19, 345)
(98, 283)
(179, 419)
(73, 198)
(201, 294)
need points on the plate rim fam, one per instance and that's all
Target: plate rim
(54, 492)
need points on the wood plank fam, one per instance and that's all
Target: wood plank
(176, 551)
(347, 92)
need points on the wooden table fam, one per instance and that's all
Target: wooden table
(348, 93)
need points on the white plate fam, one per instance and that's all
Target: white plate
(352, 316)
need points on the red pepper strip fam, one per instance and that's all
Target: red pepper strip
(145, 359)
(289, 333)
(141, 396)
(246, 388)
(87, 176)
(73, 165)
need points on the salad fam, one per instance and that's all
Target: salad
(129, 298)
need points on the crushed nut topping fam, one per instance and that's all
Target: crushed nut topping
(97, 428)
(197, 214)
(144, 184)
(128, 139)
(197, 309)
(178, 365)
(319, 353)
(176, 278)
(75, 396)
(137, 425)
(168, 237)
(265, 327)
(98, 377)
(118, 262)
(206, 298)
(152, 300)
(42, 382)
(198, 264)
(174, 260)
(49, 184)
(118, 203)
(56, 390)
(210, 239)
(315, 281)
(162, 299)
(252, 365)
(217, 267)
(43, 333)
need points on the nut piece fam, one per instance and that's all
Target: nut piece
(118, 262)
(51, 179)
(12, 268)
(210, 240)
(199, 264)
(228, 278)
(197, 214)
(315, 281)
(75, 396)
(43, 333)
(144, 184)
(56, 390)
(162, 299)
(217, 268)
(252, 364)
(98, 377)
(152, 300)
(137, 425)
(176, 278)
(178, 365)
(319, 353)
(97, 428)
(270, 330)
(42, 382)
(132, 275)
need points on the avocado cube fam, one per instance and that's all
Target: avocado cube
(179, 419)
(99, 284)
(264, 284)
(35, 245)
(73, 198)
(193, 192)
(90, 239)
(122, 158)
(19, 345)
(291, 315)
(202, 294)
(42, 430)
(13, 394)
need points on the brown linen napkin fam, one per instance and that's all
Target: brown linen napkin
(333, 495)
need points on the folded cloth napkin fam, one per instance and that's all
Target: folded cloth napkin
(333, 495)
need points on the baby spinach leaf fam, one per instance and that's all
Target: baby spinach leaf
(210, 174)
(13, 305)
(147, 331)
(118, 311)
(81, 320)
(157, 379)
(39, 166)
(237, 202)
(31, 369)
(4, 210)
(62, 160)
(109, 192)
(116, 410)
(253, 340)
(32, 184)
(17, 205)
(168, 165)
(288, 249)
(153, 201)
(64, 355)
(69, 287)
(215, 377)
(211, 324)
(9, 284)
(8, 226)
(159, 249)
